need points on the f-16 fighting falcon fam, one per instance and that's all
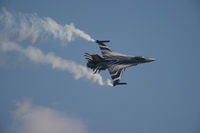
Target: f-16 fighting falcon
(115, 63)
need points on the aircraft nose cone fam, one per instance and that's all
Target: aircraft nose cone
(150, 59)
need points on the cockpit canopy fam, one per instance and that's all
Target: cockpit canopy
(139, 58)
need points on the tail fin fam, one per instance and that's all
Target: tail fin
(93, 62)
(94, 57)
(88, 57)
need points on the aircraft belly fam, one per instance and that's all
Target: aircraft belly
(124, 65)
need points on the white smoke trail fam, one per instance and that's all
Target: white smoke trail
(31, 26)
(37, 56)
(17, 28)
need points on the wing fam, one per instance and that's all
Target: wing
(107, 53)
(105, 50)
(116, 73)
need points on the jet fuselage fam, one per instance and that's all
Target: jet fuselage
(120, 60)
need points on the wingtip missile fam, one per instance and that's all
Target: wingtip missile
(103, 41)
(119, 84)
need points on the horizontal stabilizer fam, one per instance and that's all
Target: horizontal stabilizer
(97, 41)
(120, 84)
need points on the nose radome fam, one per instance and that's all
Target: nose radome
(151, 59)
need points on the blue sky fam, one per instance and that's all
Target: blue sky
(162, 96)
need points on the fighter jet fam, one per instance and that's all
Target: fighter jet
(115, 63)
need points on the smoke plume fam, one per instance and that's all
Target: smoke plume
(30, 26)
(20, 27)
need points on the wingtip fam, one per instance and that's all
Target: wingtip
(103, 41)
(114, 84)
